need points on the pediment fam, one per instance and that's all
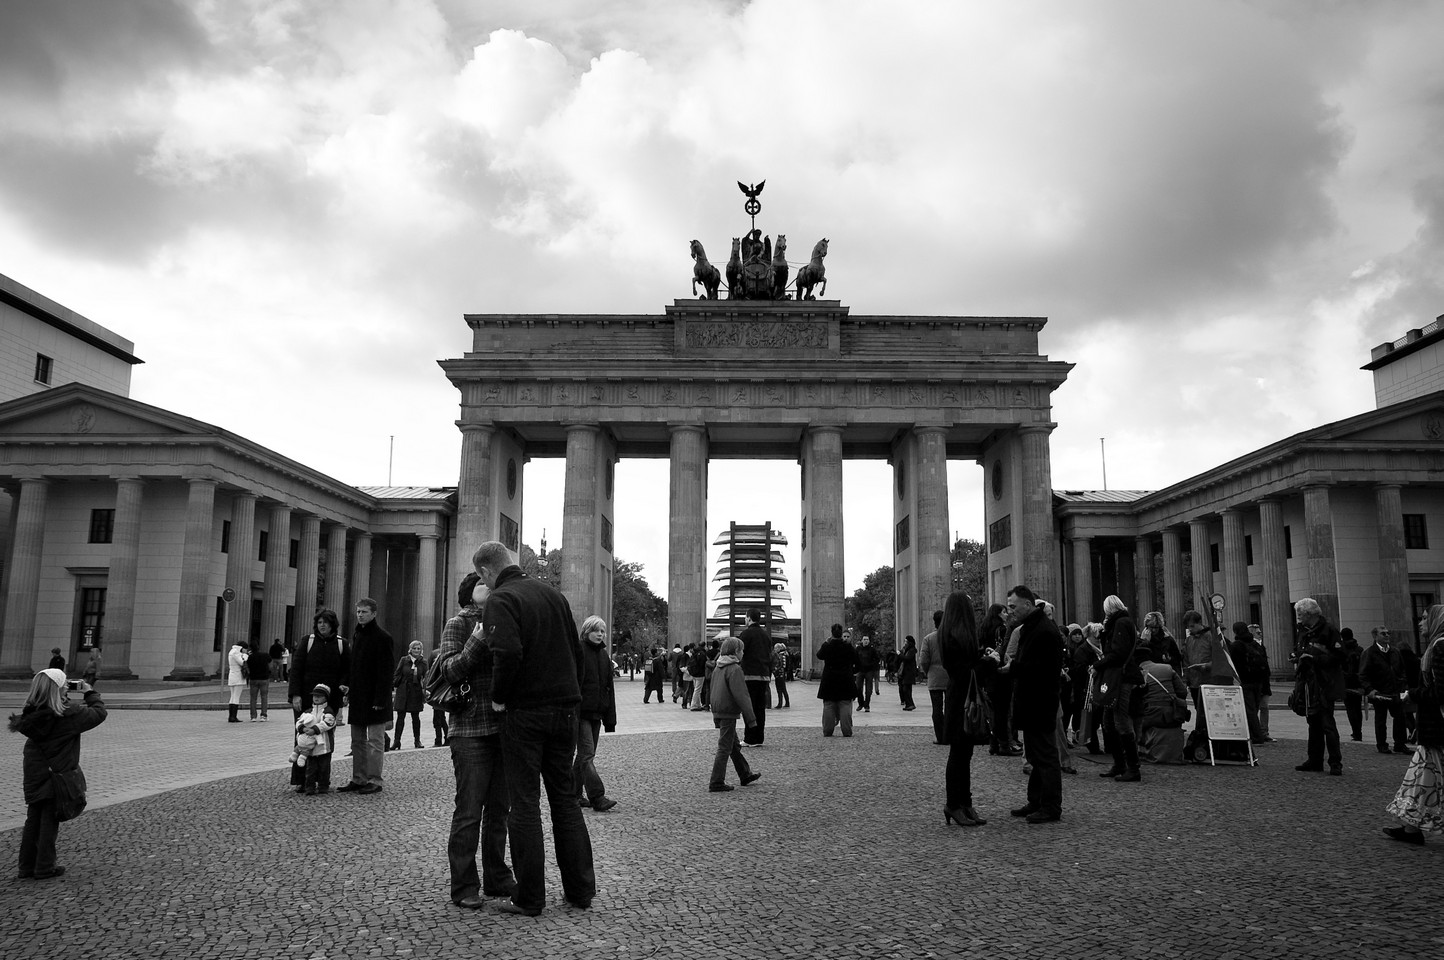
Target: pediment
(1412, 426)
(73, 411)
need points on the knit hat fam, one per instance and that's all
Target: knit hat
(322, 689)
(56, 676)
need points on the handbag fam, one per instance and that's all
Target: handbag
(977, 724)
(1299, 700)
(444, 694)
(69, 792)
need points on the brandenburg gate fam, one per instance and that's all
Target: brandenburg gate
(798, 379)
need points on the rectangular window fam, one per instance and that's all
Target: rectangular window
(295, 553)
(225, 536)
(256, 609)
(92, 616)
(102, 525)
(1416, 532)
(42, 369)
(290, 627)
(1288, 544)
(1213, 563)
(1248, 555)
(218, 640)
(265, 541)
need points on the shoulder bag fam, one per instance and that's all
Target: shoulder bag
(69, 791)
(444, 694)
(977, 713)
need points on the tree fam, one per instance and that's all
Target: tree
(970, 572)
(639, 616)
(532, 565)
(870, 609)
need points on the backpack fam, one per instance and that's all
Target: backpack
(340, 643)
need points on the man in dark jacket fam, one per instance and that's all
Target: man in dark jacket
(1381, 671)
(536, 664)
(867, 661)
(1118, 676)
(369, 697)
(757, 672)
(1037, 671)
(1320, 655)
(598, 711)
(1353, 686)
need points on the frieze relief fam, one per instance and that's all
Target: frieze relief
(771, 394)
(749, 334)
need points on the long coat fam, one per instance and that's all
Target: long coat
(407, 695)
(53, 742)
(1037, 671)
(839, 662)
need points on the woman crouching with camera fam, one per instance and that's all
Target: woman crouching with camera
(52, 726)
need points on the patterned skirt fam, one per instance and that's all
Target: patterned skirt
(1420, 800)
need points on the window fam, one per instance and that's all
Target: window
(1248, 557)
(1416, 532)
(92, 616)
(265, 541)
(102, 525)
(225, 536)
(42, 369)
(219, 629)
(1288, 544)
(295, 553)
(1213, 563)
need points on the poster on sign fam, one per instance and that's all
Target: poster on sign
(1223, 710)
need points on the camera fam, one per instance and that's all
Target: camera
(72, 684)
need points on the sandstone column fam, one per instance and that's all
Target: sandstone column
(120, 583)
(1278, 616)
(275, 597)
(822, 455)
(931, 529)
(1235, 570)
(335, 574)
(240, 563)
(475, 498)
(1323, 572)
(1173, 601)
(308, 571)
(1143, 575)
(687, 536)
(1393, 562)
(27, 548)
(1036, 536)
(1082, 549)
(1202, 569)
(193, 653)
(426, 628)
(361, 581)
(579, 519)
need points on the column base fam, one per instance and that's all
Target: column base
(188, 673)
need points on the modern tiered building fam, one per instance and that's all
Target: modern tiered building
(749, 574)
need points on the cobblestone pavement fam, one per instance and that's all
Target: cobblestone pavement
(839, 851)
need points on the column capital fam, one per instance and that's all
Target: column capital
(682, 426)
(428, 536)
(1388, 486)
(824, 428)
(1081, 539)
(1036, 427)
(930, 428)
(591, 426)
(1230, 512)
(128, 478)
(475, 426)
(195, 479)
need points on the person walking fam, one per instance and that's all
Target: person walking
(536, 665)
(779, 673)
(597, 712)
(757, 672)
(1419, 803)
(930, 662)
(907, 672)
(479, 817)
(838, 686)
(1118, 676)
(407, 693)
(258, 676)
(1036, 673)
(965, 665)
(731, 700)
(51, 725)
(369, 708)
(236, 671)
(1320, 654)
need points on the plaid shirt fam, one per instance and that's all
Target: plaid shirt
(467, 657)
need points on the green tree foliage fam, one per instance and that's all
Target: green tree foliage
(970, 572)
(639, 616)
(870, 609)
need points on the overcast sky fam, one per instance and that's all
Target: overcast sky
(1220, 207)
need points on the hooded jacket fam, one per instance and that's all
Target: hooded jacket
(729, 692)
(53, 742)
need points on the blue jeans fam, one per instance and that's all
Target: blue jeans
(584, 769)
(480, 817)
(368, 746)
(539, 744)
(728, 748)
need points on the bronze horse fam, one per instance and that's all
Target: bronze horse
(779, 268)
(813, 274)
(704, 273)
(734, 270)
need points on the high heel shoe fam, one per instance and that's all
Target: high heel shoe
(973, 815)
(960, 814)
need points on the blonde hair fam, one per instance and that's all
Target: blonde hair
(45, 692)
(593, 622)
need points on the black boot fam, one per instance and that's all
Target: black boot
(233, 718)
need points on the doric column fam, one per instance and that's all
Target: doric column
(335, 572)
(1277, 620)
(308, 570)
(579, 519)
(193, 653)
(1125, 580)
(1173, 599)
(1037, 542)
(474, 495)
(1202, 569)
(1393, 563)
(27, 547)
(240, 563)
(1235, 569)
(383, 557)
(361, 580)
(934, 548)
(1143, 578)
(426, 629)
(1323, 572)
(1082, 548)
(275, 597)
(822, 455)
(120, 582)
(687, 536)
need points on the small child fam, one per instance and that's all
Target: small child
(313, 742)
(730, 701)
